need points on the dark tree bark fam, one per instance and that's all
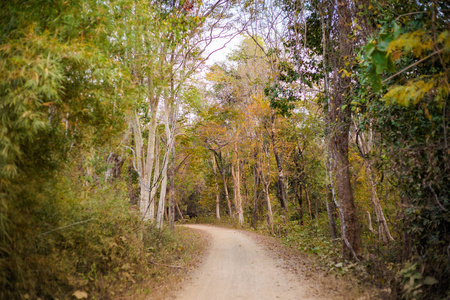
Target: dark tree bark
(221, 167)
(225, 185)
(256, 183)
(309, 203)
(339, 120)
(115, 163)
(300, 201)
(217, 190)
(281, 193)
(349, 219)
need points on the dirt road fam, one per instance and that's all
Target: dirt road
(236, 267)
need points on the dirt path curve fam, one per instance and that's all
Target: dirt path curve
(236, 267)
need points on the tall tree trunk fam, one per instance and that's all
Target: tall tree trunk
(338, 123)
(339, 120)
(330, 213)
(178, 210)
(299, 199)
(150, 155)
(237, 186)
(162, 194)
(227, 195)
(172, 188)
(349, 218)
(221, 167)
(162, 197)
(155, 183)
(217, 189)
(139, 158)
(309, 203)
(268, 206)
(280, 186)
(145, 162)
(244, 183)
(266, 182)
(256, 182)
(331, 190)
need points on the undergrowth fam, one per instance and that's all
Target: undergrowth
(378, 268)
(74, 239)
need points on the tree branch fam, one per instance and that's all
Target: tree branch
(413, 65)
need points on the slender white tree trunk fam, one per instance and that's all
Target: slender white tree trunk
(266, 183)
(172, 188)
(155, 184)
(237, 187)
(162, 194)
(383, 229)
(162, 198)
(145, 196)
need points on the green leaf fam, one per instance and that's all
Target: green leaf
(390, 64)
(397, 30)
(379, 59)
(369, 49)
(385, 40)
(375, 80)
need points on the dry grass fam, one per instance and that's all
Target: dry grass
(168, 273)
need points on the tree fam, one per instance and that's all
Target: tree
(408, 109)
(173, 47)
(62, 105)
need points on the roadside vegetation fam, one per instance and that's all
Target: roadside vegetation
(327, 125)
(90, 243)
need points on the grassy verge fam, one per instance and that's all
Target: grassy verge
(310, 247)
(177, 253)
(77, 241)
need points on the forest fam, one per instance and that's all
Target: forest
(324, 124)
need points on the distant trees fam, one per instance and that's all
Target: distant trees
(370, 81)
(337, 109)
(167, 50)
(82, 83)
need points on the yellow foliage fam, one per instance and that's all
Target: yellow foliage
(415, 90)
(444, 38)
(412, 92)
(419, 42)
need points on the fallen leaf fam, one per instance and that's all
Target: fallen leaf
(80, 295)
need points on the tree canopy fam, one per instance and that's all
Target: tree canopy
(326, 126)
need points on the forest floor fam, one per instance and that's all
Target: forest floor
(244, 265)
(169, 272)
